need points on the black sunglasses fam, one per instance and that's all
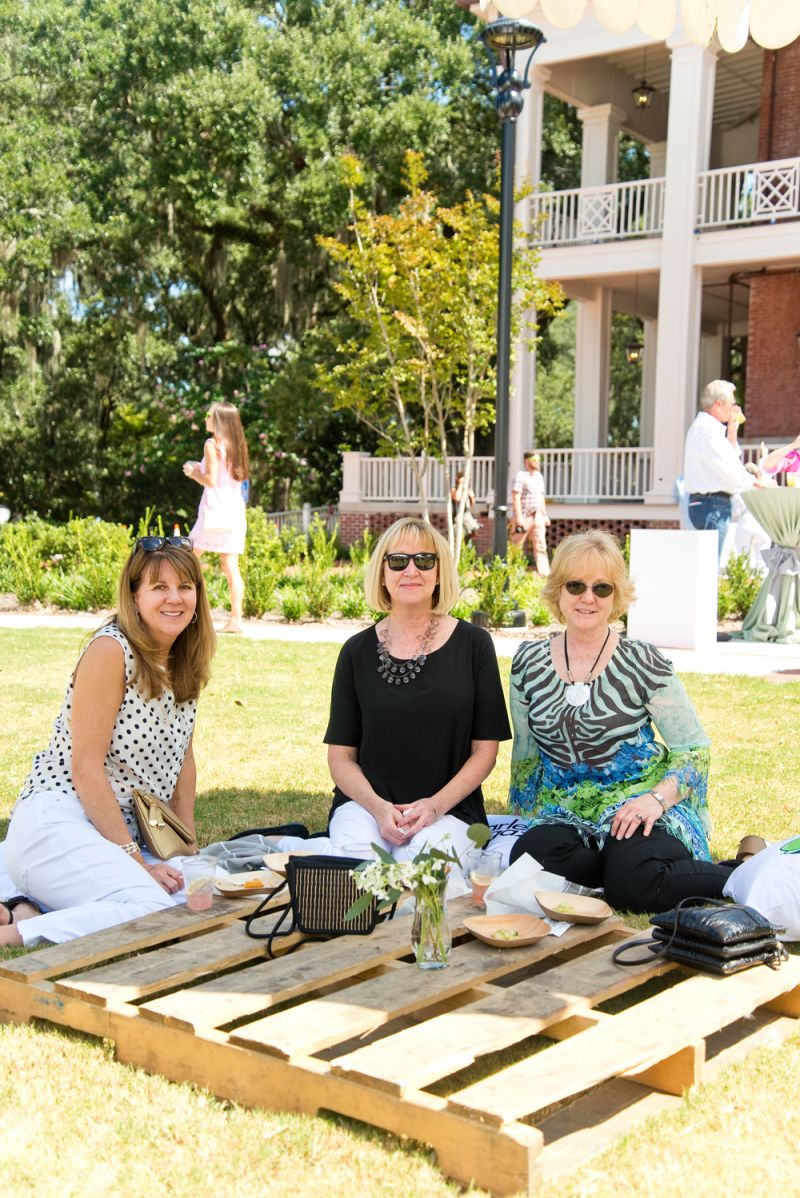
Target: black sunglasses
(601, 589)
(153, 544)
(399, 561)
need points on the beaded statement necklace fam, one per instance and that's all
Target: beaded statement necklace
(577, 693)
(395, 672)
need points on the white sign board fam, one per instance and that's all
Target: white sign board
(676, 580)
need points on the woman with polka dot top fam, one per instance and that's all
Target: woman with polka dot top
(73, 845)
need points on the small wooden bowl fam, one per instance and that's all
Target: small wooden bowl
(572, 908)
(256, 881)
(277, 862)
(529, 929)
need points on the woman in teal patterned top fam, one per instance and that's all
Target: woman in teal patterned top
(609, 805)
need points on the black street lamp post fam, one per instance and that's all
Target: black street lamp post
(504, 39)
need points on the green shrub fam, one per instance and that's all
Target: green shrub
(353, 604)
(22, 560)
(316, 570)
(463, 610)
(293, 605)
(738, 588)
(361, 550)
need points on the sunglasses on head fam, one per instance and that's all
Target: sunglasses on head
(423, 561)
(601, 589)
(153, 544)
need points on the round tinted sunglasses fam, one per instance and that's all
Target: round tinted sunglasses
(153, 544)
(601, 589)
(399, 561)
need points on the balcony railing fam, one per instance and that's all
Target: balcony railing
(571, 476)
(757, 193)
(608, 213)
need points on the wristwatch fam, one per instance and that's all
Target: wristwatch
(662, 802)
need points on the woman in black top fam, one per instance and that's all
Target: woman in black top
(417, 708)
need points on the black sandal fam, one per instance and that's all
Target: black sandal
(12, 903)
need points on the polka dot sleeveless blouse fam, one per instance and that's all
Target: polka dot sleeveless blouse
(147, 748)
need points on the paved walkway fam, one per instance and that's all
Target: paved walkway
(779, 662)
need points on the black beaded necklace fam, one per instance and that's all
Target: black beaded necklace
(577, 693)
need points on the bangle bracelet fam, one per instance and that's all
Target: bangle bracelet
(130, 848)
(662, 802)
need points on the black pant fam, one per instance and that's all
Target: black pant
(643, 874)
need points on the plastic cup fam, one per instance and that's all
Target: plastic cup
(198, 878)
(482, 869)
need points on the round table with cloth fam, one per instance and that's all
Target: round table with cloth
(775, 615)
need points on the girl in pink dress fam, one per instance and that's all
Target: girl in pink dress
(221, 518)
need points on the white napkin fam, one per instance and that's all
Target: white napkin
(513, 890)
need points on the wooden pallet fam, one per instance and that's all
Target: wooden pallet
(353, 1026)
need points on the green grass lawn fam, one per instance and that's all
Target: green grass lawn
(260, 761)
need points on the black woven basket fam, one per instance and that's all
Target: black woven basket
(320, 891)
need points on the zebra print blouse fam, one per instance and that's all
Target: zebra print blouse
(578, 765)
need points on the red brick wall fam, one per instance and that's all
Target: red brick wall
(773, 355)
(779, 122)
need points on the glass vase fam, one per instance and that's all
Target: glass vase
(431, 938)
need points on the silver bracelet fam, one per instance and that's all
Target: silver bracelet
(662, 802)
(130, 848)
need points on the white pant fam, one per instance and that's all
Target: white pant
(55, 855)
(353, 831)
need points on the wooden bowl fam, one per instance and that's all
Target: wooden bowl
(278, 861)
(572, 908)
(529, 929)
(241, 885)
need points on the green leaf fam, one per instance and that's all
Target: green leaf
(479, 835)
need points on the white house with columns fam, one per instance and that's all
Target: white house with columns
(677, 250)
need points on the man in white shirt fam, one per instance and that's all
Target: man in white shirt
(529, 517)
(712, 466)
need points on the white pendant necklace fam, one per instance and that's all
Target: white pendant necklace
(577, 693)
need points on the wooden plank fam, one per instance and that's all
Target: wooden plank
(674, 1074)
(362, 1008)
(504, 1161)
(163, 968)
(786, 1004)
(248, 993)
(85, 951)
(649, 1032)
(415, 1057)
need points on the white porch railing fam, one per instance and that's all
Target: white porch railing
(756, 193)
(587, 214)
(571, 475)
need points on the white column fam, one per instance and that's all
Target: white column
(648, 408)
(592, 353)
(528, 173)
(691, 98)
(600, 145)
(658, 159)
(710, 359)
(351, 477)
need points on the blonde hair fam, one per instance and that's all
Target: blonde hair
(189, 661)
(570, 560)
(447, 589)
(227, 429)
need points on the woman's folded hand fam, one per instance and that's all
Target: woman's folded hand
(641, 812)
(169, 878)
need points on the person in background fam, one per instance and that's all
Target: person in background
(417, 707)
(786, 458)
(712, 466)
(221, 522)
(73, 844)
(529, 518)
(609, 804)
(471, 525)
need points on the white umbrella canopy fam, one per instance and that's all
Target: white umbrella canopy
(770, 23)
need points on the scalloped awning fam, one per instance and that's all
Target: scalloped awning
(770, 23)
